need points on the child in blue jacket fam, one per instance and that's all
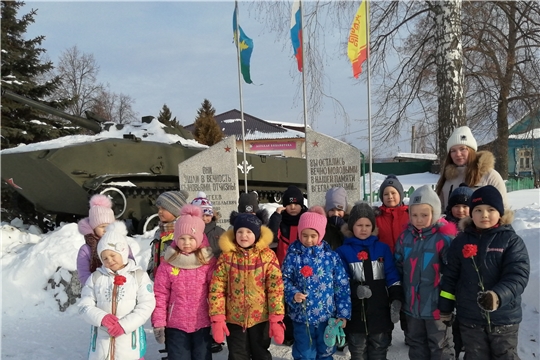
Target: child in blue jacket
(316, 287)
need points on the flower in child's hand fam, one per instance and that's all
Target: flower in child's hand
(119, 280)
(362, 255)
(306, 271)
(469, 250)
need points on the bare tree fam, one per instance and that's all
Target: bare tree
(78, 73)
(114, 107)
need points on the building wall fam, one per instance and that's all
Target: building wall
(514, 145)
(275, 147)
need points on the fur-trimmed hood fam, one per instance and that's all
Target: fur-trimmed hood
(485, 161)
(227, 241)
(84, 226)
(506, 219)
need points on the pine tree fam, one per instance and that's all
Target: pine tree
(207, 130)
(165, 115)
(24, 73)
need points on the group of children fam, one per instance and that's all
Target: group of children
(358, 269)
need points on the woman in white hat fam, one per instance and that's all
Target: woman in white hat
(464, 164)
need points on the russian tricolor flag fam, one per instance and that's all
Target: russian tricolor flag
(296, 32)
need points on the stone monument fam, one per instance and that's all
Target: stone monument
(213, 171)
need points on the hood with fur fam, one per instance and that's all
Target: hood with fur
(506, 219)
(485, 161)
(227, 241)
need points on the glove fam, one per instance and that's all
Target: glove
(277, 328)
(488, 300)
(363, 292)
(109, 320)
(219, 328)
(159, 334)
(395, 308)
(447, 318)
(116, 330)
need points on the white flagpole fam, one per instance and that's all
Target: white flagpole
(237, 43)
(304, 91)
(369, 106)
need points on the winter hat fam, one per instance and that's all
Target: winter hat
(250, 221)
(361, 210)
(248, 202)
(460, 196)
(190, 223)
(115, 239)
(205, 204)
(100, 211)
(314, 218)
(462, 135)
(293, 195)
(336, 198)
(426, 195)
(487, 195)
(172, 201)
(391, 180)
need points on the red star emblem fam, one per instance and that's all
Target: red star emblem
(227, 149)
(315, 143)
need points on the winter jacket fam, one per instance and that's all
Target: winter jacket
(213, 232)
(247, 285)
(327, 290)
(503, 263)
(163, 238)
(333, 235)
(391, 222)
(420, 257)
(85, 257)
(382, 277)
(182, 283)
(285, 229)
(455, 175)
(135, 305)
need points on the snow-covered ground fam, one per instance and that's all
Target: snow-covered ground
(34, 328)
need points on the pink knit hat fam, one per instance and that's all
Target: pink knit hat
(314, 218)
(190, 223)
(100, 211)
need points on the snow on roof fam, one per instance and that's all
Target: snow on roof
(152, 131)
(417, 156)
(283, 123)
(289, 134)
(531, 134)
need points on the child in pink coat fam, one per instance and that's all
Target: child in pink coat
(181, 319)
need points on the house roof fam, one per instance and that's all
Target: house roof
(418, 156)
(256, 129)
(526, 124)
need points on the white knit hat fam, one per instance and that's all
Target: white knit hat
(426, 195)
(462, 136)
(115, 239)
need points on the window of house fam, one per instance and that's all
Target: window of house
(525, 160)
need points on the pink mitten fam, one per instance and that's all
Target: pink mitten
(219, 328)
(116, 330)
(109, 320)
(277, 328)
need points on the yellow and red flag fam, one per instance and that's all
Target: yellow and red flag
(358, 42)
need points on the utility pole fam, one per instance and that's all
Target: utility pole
(413, 140)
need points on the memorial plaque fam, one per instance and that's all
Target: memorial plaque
(214, 172)
(331, 163)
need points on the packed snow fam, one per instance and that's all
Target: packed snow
(33, 327)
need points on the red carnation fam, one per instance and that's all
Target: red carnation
(469, 251)
(307, 271)
(119, 280)
(362, 255)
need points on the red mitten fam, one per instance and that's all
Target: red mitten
(277, 328)
(219, 328)
(116, 330)
(109, 320)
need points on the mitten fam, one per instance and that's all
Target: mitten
(488, 300)
(116, 330)
(109, 320)
(363, 292)
(159, 334)
(395, 308)
(277, 328)
(447, 319)
(219, 328)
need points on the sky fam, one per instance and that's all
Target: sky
(179, 53)
(34, 328)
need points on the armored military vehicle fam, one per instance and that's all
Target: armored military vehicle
(132, 164)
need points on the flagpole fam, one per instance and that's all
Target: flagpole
(304, 91)
(369, 106)
(237, 40)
